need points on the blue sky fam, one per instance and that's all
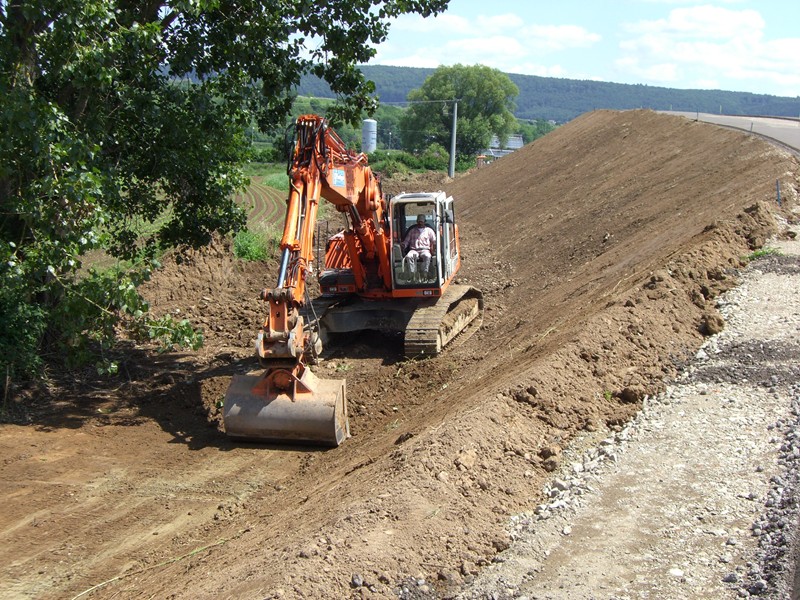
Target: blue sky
(737, 45)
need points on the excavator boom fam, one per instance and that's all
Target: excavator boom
(287, 402)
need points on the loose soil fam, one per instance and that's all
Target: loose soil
(600, 249)
(697, 496)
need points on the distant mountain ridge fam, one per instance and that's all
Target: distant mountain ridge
(561, 100)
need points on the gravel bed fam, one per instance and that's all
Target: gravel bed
(697, 496)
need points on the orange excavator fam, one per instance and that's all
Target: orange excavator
(367, 283)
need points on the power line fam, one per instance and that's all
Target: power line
(424, 101)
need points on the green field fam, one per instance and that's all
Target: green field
(264, 200)
(263, 203)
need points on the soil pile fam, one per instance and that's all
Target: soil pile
(600, 249)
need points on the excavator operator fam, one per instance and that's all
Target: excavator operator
(420, 242)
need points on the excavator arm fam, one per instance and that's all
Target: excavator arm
(321, 168)
(288, 401)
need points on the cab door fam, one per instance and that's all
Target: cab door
(449, 247)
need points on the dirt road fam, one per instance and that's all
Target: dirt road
(601, 250)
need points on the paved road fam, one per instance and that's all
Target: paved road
(784, 130)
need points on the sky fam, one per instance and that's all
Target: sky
(735, 45)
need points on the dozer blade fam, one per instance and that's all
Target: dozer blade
(315, 413)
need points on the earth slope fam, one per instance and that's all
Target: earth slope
(600, 250)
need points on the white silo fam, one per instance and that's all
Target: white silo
(369, 135)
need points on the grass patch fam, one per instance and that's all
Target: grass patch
(763, 253)
(260, 243)
(269, 172)
(279, 181)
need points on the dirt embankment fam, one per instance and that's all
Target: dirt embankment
(600, 249)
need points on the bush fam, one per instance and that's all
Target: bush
(392, 163)
(268, 154)
(435, 158)
(389, 167)
(464, 163)
(95, 306)
(169, 334)
(90, 310)
(22, 326)
(77, 320)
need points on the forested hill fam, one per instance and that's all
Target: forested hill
(565, 99)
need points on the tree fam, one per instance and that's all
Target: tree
(124, 127)
(485, 107)
(532, 130)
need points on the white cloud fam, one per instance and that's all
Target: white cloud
(497, 52)
(497, 48)
(663, 73)
(689, 1)
(505, 42)
(558, 37)
(691, 45)
(702, 45)
(706, 84)
(703, 22)
(504, 24)
(442, 25)
(544, 71)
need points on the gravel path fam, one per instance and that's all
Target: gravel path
(697, 497)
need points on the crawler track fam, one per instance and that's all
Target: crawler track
(431, 328)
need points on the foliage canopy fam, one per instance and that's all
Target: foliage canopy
(124, 127)
(485, 108)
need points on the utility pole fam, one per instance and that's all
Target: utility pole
(452, 169)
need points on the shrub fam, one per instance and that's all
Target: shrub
(95, 306)
(268, 154)
(762, 253)
(435, 158)
(22, 326)
(389, 167)
(77, 320)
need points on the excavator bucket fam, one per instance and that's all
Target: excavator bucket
(309, 410)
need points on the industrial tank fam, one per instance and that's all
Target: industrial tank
(369, 135)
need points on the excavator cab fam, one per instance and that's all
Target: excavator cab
(437, 211)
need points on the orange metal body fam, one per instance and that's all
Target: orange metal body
(323, 168)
